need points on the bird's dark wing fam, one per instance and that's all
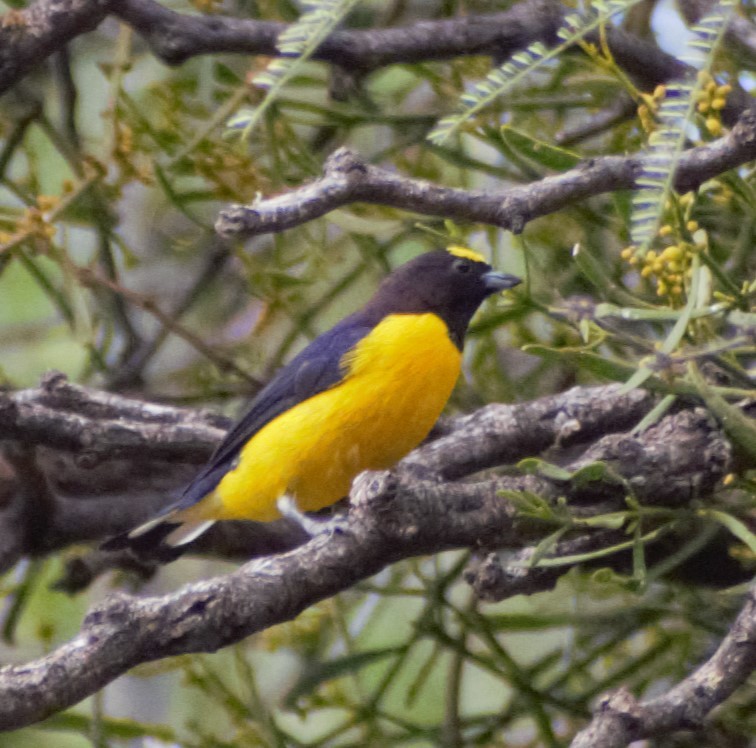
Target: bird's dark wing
(315, 369)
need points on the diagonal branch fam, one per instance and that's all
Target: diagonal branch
(393, 516)
(620, 719)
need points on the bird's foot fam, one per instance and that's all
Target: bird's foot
(289, 509)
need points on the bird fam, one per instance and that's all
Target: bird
(359, 397)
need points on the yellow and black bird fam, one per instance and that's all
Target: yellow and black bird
(359, 397)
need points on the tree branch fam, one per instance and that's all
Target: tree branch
(29, 36)
(110, 462)
(393, 516)
(620, 719)
(348, 179)
(174, 37)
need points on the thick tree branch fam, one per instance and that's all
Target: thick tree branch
(348, 179)
(393, 516)
(109, 462)
(174, 38)
(29, 36)
(620, 719)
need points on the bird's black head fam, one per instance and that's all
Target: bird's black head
(451, 283)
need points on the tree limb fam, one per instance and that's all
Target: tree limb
(620, 719)
(30, 35)
(109, 462)
(348, 179)
(393, 516)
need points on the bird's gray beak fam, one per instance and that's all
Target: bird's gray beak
(495, 282)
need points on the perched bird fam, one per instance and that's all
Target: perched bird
(359, 397)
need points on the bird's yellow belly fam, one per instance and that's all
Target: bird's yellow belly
(400, 377)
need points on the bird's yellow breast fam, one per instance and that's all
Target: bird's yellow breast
(398, 380)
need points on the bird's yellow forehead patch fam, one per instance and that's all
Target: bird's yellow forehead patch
(468, 254)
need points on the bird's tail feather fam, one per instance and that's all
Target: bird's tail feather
(160, 539)
(186, 532)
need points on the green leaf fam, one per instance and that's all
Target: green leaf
(639, 558)
(546, 545)
(321, 672)
(734, 525)
(536, 466)
(635, 314)
(505, 77)
(225, 75)
(675, 336)
(738, 426)
(612, 369)
(529, 504)
(609, 521)
(297, 44)
(655, 414)
(557, 159)
(123, 729)
(580, 558)
(675, 114)
(592, 472)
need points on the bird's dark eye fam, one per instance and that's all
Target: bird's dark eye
(462, 266)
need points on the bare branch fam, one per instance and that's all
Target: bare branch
(31, 35)
(620, 719)
(348, 179)
(175, 38)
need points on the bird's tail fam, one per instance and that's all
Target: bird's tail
(163, 536)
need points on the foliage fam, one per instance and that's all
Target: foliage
(111, 272)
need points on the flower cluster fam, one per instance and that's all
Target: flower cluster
(669, 268)
(711, 99)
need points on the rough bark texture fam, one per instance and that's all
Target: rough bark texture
(421, 507)
(348, 179)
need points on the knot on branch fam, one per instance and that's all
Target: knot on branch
(344, 162)
(238, 219)
(373, 492)
(677, 459)
(744, 131)
(117, 609)
(52, 381)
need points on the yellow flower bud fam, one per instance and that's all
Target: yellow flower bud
(714, 126)
(673, 252)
